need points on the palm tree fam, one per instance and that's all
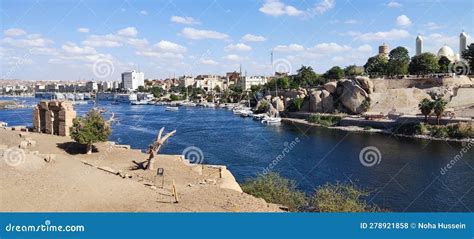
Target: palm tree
(426, 106)
(439, 105)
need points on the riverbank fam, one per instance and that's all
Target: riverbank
(50, 173)
(357, 129)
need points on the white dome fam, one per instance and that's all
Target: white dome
(447, 52)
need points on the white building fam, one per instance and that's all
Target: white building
(187, 81)
(248, 81)
(208, 82)
(91, 86)
(132, 80)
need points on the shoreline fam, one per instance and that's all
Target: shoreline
(357, 129)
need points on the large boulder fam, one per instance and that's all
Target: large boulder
(366, 83)
(315, 101)
(327, 102)
(331, 87)
(352, 96)
(278, 104)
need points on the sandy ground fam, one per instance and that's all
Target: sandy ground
(68, 184)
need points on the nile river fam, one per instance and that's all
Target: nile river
(407, 178)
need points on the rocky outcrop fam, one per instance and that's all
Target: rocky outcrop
(365, 83)
(278, 104)
(327, 102)
(351, 96)
(331, 87)
(315, 101)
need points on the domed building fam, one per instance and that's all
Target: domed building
(447, 52)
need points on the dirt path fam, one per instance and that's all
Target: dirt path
(68, 184)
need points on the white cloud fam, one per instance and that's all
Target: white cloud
(158, 54)
(83, 30)
(233, 57)
(324, 6)
(32, 40)
(196, 34)
(143, 12)
(276, 8)
(351, 21)
(208, 61)
(108, 40)
(14, 32)
(44, 51)
(184, 20)
(403, 21)
(365, 48)
(167, 46)
(138, 43)
(128, 32)
(329, 48)
(433, 26)
(394, 4)
(72, 48)
(394, 34)
(252, 38)
(237, 47)
(289, 48)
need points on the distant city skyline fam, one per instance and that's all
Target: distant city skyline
(87, 40)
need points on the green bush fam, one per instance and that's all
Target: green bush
(411, 129)
(263, 106)
(296, 104)
(276, 189)
(174, 97)
(90, 129)
(461, 130)
(365, 105)
(439, 131)
(325, 120)
(340, 198)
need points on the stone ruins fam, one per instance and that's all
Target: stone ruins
(53, 117)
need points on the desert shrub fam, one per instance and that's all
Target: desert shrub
(263, 106)
(90, 129)
(325, 120)
(439, 131)
(411, 129)
(174, 97)
(276, 189)
(461, 130)
(365, 106)
(340, 198)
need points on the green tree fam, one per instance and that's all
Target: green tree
(217, 89)
(90, 129)
(468, 55)
(426, 106)
(398, 61)
(296, 104)
(353, 70)
(423, 64)
(156, 91)
(141, 88)
(283, 82)
(376, 66)
(335, 73)
(443, 63)
(174, 97)
(305, 76)
(439, 105)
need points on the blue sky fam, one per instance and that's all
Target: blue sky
(72, 40)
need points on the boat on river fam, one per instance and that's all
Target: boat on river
(171, 108)
(271, 120)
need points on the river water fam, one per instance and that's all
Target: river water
(408, 176)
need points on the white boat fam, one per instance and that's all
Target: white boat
(189, 104)
(81, 102)
(171, 108)
(271, 120)
(139, 102)
(259, 116)
(211, 105)
(246, 113)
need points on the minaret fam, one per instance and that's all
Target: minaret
(419, 45)
(462, 42)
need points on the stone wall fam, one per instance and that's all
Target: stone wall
(53, 117)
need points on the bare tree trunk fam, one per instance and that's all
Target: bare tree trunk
(155, 148)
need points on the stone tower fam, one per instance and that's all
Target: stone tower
(419, 45)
